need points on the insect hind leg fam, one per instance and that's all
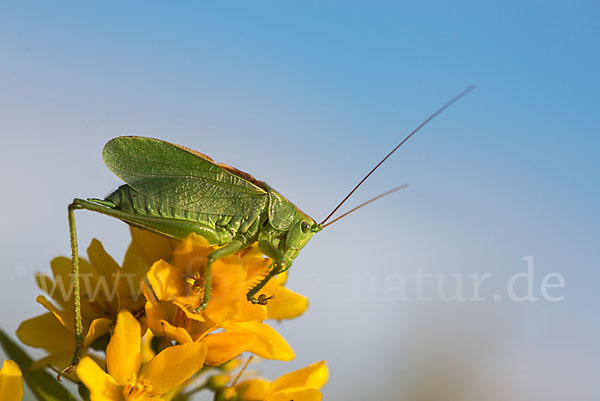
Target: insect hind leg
(103, 202)
(96, 205)
(76, 290)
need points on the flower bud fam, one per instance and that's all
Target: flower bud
(226, 394)
(217, 382)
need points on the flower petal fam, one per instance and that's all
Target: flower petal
(134, 268)
(147, 353)
(253, 252)
(191, 251)
(56, 337)
(228, 290)
(54, 359)
(281, 278)
(66, 319)
(101, 385)
(191, 312)
(98, 328)
(63, 359)
(228, 280)
(257, 269)
(145, 249)
(129, 294)
(313, 376)
(269, 344)
(159, 316)
(151, 246)
(167, 281)
(102, 262)
(250, 311)
(50, 287)
(172, 366)
(62, 270)
(11, 382)
(223, 347)
(123, 351)
(297, 394)
(286, 304)
(253, 389)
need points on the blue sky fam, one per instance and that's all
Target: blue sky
(308, 96)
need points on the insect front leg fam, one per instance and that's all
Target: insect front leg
(227, 250)
(262, 299)
(279, 264)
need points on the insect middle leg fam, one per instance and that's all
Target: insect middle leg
(227, 250)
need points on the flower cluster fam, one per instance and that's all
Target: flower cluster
(146, 336)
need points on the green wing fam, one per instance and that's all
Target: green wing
(182, 178)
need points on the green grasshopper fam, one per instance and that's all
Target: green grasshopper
(175, 191)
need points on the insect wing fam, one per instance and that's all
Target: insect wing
(181, 178)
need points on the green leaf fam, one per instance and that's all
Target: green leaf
(43, 385)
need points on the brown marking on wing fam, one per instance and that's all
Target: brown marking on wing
(243, 174)
(192, 151)
(232, 170)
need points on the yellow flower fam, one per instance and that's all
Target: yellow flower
(301, 385)
(182, 280)
(57, 326)
(146, 248)
(176, 290)
(284, 303)
(223, 347)
(98, 278)
(269, 343)
(166, 319)
(106, 288)
(126, 380)
(11, 382)
(54, 332)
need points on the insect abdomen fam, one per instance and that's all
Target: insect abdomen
(129, 200)
(225, 228)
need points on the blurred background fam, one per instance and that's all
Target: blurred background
(308, 96)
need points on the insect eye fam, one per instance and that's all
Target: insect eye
(305, 227)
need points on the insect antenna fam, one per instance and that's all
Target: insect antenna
(431, 117)
(366, 203)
